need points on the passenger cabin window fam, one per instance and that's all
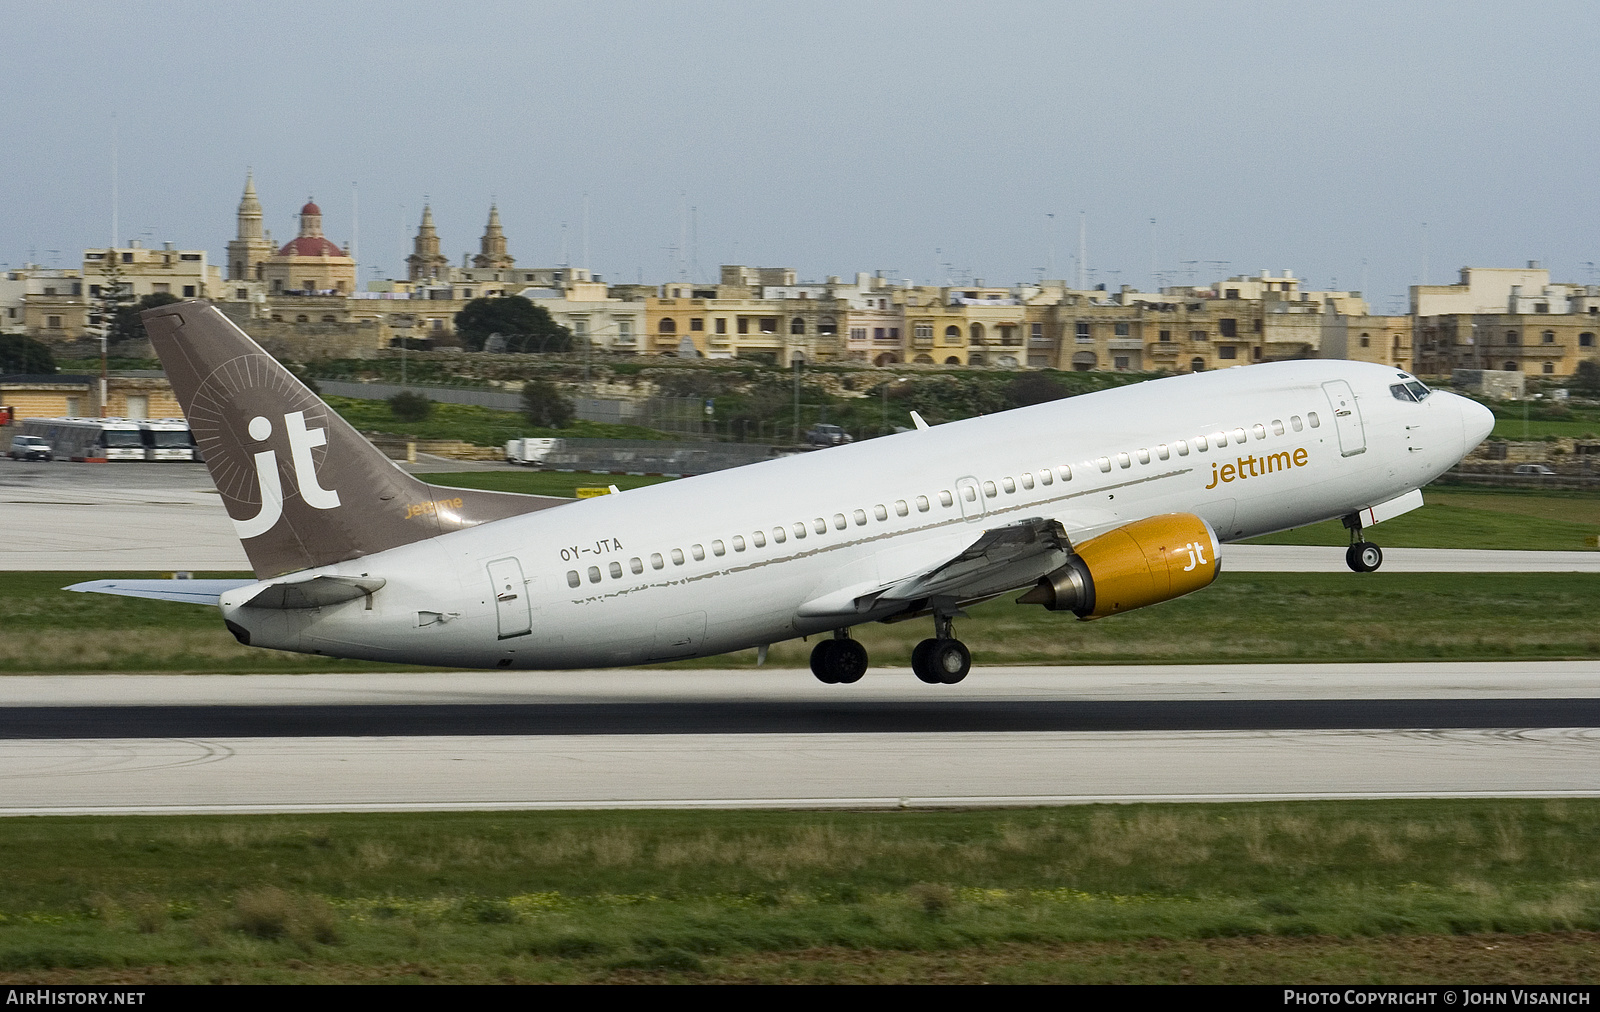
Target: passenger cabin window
(881, 511)
(1294, 420)
(1123, 460)
(1183, 447)
(1277, 426)
(636, 565)
(860, 517)
(759, 539)
(945, 498)
(1045, 478)
(616, 570)
(1239, 436)
(1163, 452)
(1311, 416)
(677, 556)
(821, 525)
(656, 561)
(572, 578)
(799, 530)
(1027, 479)
(698, 552)
(1104, 464)
(1220, 438)
(594, 574)
(738, 543)
(1261, 431)
(839, 522)
(1009, 485)
(718, 548)
(989, 490)
(900, 508)
(922, 504)
(1200, 444)
(779, 535)
(1143, 455)
(1065, 471)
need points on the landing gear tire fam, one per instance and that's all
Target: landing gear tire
(950, 660)
(941, 662)
(839, 662)
(919, 662)
(1363, 557)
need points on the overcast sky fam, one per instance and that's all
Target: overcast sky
(1358, 144)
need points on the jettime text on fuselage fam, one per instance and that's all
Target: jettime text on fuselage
(1255, 467)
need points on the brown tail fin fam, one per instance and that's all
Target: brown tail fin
(304, 489)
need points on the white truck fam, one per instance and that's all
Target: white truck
(530, 451)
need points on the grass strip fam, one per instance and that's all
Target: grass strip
(1243, 617)
(1418, 890)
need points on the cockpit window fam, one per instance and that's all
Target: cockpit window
(1414, 390)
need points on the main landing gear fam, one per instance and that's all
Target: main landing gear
(943, 660)
(839, 661)
(1362, 556)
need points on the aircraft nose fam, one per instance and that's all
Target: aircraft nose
(1477, 422)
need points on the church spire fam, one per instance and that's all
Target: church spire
(425, 261)
(249, 210)
(492, 247)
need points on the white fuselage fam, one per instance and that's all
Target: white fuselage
(696, 566)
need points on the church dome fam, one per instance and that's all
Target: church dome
(310, 246)
(310, 208)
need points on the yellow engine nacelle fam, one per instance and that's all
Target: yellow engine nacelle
(1145, 562)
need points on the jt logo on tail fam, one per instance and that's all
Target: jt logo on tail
(301, 442)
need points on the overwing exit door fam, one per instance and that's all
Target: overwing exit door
(1346, 418)
(510, 598)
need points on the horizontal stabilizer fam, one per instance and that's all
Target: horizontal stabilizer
(185, 591)
(314, 593)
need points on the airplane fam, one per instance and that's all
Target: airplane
(1092, 505)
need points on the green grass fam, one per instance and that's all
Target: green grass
(1516, 429)
(1509, 519)
(795, 895)
(1254, 617)
(472, 424)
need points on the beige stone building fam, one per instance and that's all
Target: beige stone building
(1505, 319)
(310, 263)
(68, 396)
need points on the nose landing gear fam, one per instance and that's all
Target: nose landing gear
(1362, 556)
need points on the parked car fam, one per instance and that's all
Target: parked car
(30, 448)
(827, 435)
(1532, 469)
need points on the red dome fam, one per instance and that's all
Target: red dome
(310, 246)
(310, 208)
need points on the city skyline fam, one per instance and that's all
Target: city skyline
(1364, 148)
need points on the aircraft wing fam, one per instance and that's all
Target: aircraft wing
(1001, 559)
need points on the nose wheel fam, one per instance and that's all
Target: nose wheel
(1362, 556)
(839, 661)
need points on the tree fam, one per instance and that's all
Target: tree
(525, 326)
(25, 355)
(410, 406)
(1033, 388)
(543, 405)
(128, 325)
(1587, 378)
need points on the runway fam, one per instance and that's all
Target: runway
(168, 517)
(1007, 736)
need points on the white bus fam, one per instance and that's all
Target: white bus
(167, 439)
(91, 439)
